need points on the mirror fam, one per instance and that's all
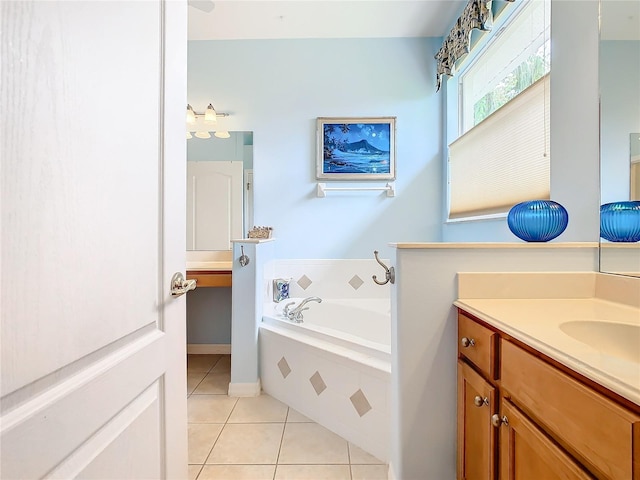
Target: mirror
(219, 193)
(634, 148)
(619, 76)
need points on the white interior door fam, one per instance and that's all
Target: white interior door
(93, 152)
(214, 204)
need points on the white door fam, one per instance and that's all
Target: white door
(214, 204)
(92, 147)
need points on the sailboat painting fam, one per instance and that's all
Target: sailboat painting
(356, 148)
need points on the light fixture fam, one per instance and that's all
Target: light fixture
(191, 115)
(210, 115)
(203, 124)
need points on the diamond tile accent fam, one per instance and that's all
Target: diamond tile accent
(360, 402)
(356, 282)
(304, 282)
(284, 367)
(318, 383)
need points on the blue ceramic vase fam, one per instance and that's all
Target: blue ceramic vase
(620, 221)
(537, 220)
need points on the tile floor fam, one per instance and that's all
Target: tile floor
(260, 438)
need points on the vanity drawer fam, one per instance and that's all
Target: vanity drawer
(599, 432)
(478, 344)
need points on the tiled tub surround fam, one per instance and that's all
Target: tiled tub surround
(532, 307)
(330, 278)
(335, 366)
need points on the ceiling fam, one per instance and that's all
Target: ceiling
(273, 19)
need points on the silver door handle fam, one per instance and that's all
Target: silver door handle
(180, 286)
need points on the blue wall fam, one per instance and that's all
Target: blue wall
(277, 89)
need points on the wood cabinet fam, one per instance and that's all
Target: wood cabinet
(523, 416)
(527, 453)
(476, 436)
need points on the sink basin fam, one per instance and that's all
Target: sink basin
(615, 339)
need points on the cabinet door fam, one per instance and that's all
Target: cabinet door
(526, 453)
(476, 436)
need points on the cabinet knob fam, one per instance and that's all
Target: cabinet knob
(497, 420)
(479, 401)
(467, 342)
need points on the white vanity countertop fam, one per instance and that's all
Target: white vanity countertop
(537, 323)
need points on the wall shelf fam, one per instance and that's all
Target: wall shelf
(322, 189)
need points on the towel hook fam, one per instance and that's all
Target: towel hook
(389, 273)
(244, 260)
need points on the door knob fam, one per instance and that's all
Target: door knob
(479, 401)
(180, 286)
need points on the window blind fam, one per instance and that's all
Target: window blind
(505, 159)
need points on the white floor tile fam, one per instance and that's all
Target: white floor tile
(310, 443)
(202, 436)
(247, 443)
(223, 365)
(214, 383)
(209, 408)
(295, 416)
(369, 472)
(312, 472)
(358, 456)
(201, 363)
(258, 409)
(193, 379)
(194, 470)
(237, 472)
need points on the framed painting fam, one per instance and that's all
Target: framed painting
(356, 148)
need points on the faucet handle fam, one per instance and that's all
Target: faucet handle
(297, 316)
(286, 308)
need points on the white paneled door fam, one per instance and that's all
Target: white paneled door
(214, 204)
(93, 164)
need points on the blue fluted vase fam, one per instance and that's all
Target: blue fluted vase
(537, 220)
(620, 221)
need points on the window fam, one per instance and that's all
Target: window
(502, 156)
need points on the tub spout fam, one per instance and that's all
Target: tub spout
(295, 315)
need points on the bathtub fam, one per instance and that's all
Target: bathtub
(362, 326)
(334, 366)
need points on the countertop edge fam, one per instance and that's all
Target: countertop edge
(469, 245)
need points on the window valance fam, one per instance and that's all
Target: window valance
(477, 14)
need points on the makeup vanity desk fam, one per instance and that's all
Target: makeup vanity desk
(210, 274)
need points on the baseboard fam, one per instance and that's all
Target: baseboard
(245, 389)
(390, 473)
(209, 348)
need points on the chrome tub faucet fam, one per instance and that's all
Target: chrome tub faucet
(295, 315)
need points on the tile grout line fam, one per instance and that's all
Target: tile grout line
(284, 427)
(349, 458)
(203, 423)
